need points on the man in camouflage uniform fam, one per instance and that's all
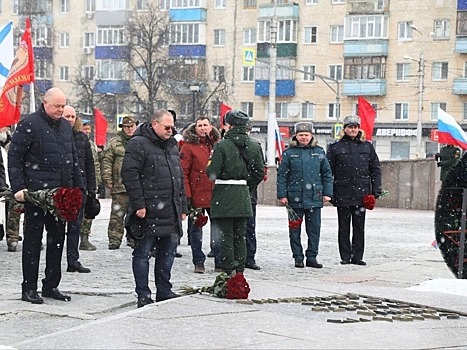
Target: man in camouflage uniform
(112, 161)
(13, 220)
(447, 157)
(86, 225)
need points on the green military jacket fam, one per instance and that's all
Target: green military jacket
(227, 163)
(112, 161)
(97, 164)
(449, 155)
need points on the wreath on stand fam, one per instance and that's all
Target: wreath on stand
(448, 216)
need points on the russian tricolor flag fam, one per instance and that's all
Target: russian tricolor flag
(449, 132)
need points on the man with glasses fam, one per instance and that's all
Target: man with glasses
(153, 177)
(112, 161)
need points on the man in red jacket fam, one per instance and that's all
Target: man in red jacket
(199, 139)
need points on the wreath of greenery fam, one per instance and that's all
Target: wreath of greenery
(448, 216)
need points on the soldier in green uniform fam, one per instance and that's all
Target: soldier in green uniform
(236, 167)
(87, 223)
(112, 161)
(447, 158)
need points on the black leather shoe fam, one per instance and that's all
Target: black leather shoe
(55, 294)
(77, 267)
(171, 295)
(299, 264)
(358, 262)
(313, 263)
(142, 301)
(178, 255)
(345, 262)
(252, 266)
(31, 296)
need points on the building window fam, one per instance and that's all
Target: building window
(311, 2)
(400, 150)
(465, 111)
(404, 31)
(462, 23)
(247, 107)
(88, 39)
(218, 73)
(309, 73)
(308, 110)
(249, 36)
(184, 33)
(401, 111)
(283, 73)
(439, 70)
(434, 109)
(42, 69)
(365, 68)
(333, 110)
(88, 72)
(110, 36)
(310, 35)
(142, 5)
(63, 73)
(441, 29)
(112, 5)
(248, 73)
(286, 31)
(64, 40)
(64, 6)
(110, 69)
(219, 37)
(90, 6)
(366, 27)
(335, 71)
(220, 4)
(281, 110)
(402, 71)
(337, 35)
(1, 6)
(249, 3)
(42, 36)
(140, 74)
(338, 1)
(184, 3)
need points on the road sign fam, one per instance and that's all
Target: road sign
(337, 129)
(249, 56)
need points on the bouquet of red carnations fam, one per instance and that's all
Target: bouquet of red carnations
(198, 217)
(225, 286)
(62, 202)
(295, 221)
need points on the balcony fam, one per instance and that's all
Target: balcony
(367, 87)
(117, 87)
(187, 51)
(366, 7)
(283, 50)
(111, 17)
(461, 45)
(360, 48)
(281, 11)
(119, 52)
(283, 88)
(188, 15)
(460, 86)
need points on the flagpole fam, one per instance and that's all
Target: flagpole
(271, 149)
(32, 98)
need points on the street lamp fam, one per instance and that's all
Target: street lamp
(194, 89)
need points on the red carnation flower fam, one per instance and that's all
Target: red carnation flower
(369, 201)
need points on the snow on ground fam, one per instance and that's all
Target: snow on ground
(443, 285)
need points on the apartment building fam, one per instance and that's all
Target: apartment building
(406, 57)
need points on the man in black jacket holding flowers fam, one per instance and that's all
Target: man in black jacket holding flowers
(43, 155)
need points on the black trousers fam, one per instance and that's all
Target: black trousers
(36, 219)
(356, 215)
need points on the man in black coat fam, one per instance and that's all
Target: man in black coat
(355, 166)
(86, 164)
(43, 155)
(153, 178)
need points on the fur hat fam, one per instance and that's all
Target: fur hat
(303, 127)
(127, 121)
(351, 120)
(236, 118)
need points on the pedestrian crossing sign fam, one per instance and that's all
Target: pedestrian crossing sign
(249, 57)
(337, 129)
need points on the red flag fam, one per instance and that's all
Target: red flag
(21, 72)
(367, 115)
(101, 127)
(224, 109)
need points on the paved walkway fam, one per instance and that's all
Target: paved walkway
(102, 313)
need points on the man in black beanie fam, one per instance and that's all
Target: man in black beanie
(236, 167)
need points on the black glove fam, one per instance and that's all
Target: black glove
(377, 194)
(438, 164)
(437, 156)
